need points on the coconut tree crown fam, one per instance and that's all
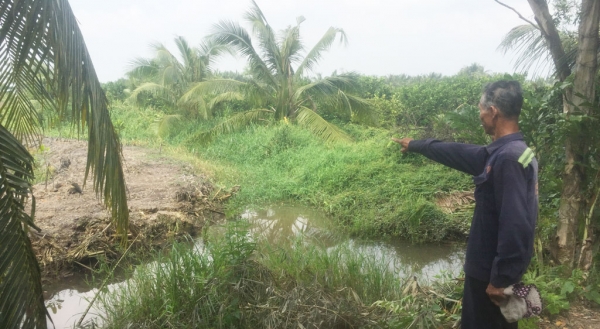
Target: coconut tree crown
(277, 86)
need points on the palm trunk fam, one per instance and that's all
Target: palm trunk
(570, 208)
(586, 254)
(572, 203)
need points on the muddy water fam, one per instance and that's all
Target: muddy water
(279, 224)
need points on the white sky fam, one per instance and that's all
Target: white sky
(385, 36)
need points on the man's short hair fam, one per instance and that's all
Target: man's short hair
(505, 95)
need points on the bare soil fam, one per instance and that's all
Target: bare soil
(167, 200)
(579, 316)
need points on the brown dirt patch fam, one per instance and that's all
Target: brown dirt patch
(579, 316)
(167, 200)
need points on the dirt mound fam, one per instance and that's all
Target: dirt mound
(167, 199)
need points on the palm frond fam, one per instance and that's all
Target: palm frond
(225, 97)
(143, 69)
(232, 34)
(186, 52)
(17, 110)
(266, 37)
(320, 127)
(214, 86)
(532, 53)
(210, 50)
(259, 94)
(315, 54)
(291, 46)
(151, 88)
(20, 82)
(328, 87)
(21, 295)
(361, 109)
(41, 41)
(193, 67)
(234, 123)
(39, 34)
(335, 93)
(164, 126)
(221, 90)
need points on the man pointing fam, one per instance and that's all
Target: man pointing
(500, 242)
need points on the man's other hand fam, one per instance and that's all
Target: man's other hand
(496, 295)
(404, 142)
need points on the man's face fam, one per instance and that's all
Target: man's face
(486, 115)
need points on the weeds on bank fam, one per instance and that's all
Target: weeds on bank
(368, 187)
(235, 281)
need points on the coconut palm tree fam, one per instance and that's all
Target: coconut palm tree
(276, 85)
(573, 54)
(166, 77)
(43, 60)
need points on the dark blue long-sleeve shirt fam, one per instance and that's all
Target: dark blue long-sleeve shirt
(500, 242)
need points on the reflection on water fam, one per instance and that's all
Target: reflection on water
(424, 261)
(278, 224)
(67, 300)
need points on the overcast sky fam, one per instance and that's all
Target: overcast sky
(385, 36)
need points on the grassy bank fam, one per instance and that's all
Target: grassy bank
(236, 282)
(366, 185)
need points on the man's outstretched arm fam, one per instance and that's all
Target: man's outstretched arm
(467, 158)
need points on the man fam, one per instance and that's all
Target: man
(500, 242)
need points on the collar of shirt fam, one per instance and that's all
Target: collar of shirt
(503, 141)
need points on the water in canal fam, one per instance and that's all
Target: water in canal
(67, 300)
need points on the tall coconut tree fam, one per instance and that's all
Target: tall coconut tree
(44, 60)
(167, 76)
(277, 86)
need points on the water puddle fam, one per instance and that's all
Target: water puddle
(67, 300)
(278, 224)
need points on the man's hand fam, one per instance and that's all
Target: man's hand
(496, 295)
(404, 142)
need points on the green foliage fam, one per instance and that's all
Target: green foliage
(556, 290)
(461, 125)
(117, 90)
(276, 82)
(231, 281)
(431, 307)
(162, 80)
(368, 187)
(423, 101)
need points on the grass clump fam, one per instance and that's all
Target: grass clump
(237, 282)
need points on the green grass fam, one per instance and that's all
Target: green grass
(239, 282)
(367, 186)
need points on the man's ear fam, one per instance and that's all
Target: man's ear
(495, 111)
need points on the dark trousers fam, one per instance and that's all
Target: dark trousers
(478, 311)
